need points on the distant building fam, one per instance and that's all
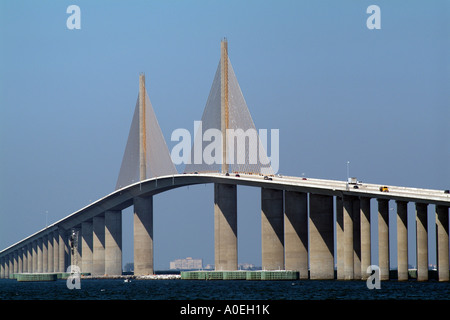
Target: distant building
(186, 264)
(248, 266)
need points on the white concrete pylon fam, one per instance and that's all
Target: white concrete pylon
(226, 112)
(146, 154)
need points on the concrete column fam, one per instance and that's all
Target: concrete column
(25, 259)
(383, 238)
(340, 238)
(365, 236)
(296, 232)
(16, 264)
(98, 226)
(6, 264)
(2, 267)
(62, 250)
(56, 251)
(87, 246)
(348, 238)
(20, 260)
(11, 265)
(352, 238)
(402, 240)
(35, 256)
(45, 254)
(113, 242)
(422, 241)
(442, 242)
(272, 232)
(39, 256)
(225, 226)
(321, 237)
(30, 257)
(143, 236)
(356, 239)
(50, 267)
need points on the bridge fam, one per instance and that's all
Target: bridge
(303, 220)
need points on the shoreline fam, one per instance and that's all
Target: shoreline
(133, 277)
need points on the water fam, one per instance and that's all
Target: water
(116, 289)
(228, 299)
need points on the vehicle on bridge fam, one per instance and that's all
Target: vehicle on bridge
(384, 189)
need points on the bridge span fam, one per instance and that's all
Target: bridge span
(300, 220)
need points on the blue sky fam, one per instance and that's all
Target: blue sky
(336, 90)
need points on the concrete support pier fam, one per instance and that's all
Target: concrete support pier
(87, 247)
(10, 266)
(422, 241)
(348, 238)
(321, 237)
(2, 267)
(383, 238)
(225, 227)
(29, 257)
(50, 252)
(55, 251)
(15, 262)
(34, 255)
(442, 243)
(113, 242)
(39, 256)
(19, 260)
(143, 236)
(340, 274)
(356, 239)
(351, 225)
(62, 250)
(24, 259)
(296, 232)
(98, 263)
(365, 237)
(45, 254)
(402, 240)
(272, 230)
